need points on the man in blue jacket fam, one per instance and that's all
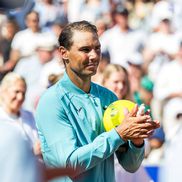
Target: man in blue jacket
(69, 115)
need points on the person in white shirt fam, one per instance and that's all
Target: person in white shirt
(157, 51)
(121, 41)
(168, 91)
(24, 42)
(33, 68)
(12, 95)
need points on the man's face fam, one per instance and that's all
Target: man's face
(84, 55)
(32, 21)
(121, 20)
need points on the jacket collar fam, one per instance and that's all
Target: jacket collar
(69, 86)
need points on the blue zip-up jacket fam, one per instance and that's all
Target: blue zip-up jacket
(71, 130)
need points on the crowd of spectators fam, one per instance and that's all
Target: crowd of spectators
(141, 44)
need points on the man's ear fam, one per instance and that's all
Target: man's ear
(64, 53)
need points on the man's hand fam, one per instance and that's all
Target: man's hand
(136, 128)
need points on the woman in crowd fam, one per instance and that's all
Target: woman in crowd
(115, 78)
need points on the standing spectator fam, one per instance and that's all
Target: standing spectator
(121, 41)
(24, 42)
(44, 55)
(168, 91)
(157, 52)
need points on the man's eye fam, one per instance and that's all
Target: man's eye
(86, 50)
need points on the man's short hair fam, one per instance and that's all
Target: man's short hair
(65, 38)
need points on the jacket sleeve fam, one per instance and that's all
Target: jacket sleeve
(60, 143)
(131, 158)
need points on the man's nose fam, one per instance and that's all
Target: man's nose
(94, 54)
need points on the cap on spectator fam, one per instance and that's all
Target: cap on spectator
(121, 10)
(135, 59)
(46, 47)
(165, 18)
(162, 10)
(147, 83)
(46, 43)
